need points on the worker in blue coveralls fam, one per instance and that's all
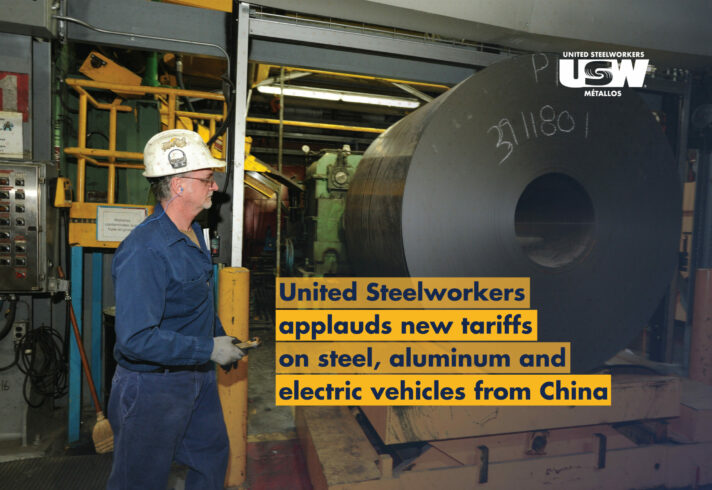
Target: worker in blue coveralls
(164, 403)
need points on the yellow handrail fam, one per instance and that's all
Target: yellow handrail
(92, 155)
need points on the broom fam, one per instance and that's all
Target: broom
(102, 434)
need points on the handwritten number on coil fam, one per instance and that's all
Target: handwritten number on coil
(503, 142)
(548, 123)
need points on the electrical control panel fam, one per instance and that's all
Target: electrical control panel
(28, 227)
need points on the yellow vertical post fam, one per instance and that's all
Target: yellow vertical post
(171, 111)
(81, 143)
(111, 189)
(234, 309)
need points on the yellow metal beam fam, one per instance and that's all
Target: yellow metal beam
(339, 127)
(111, 188)
(97, 152)
(103, 105)
(196, 115)
(82, 142)
(142, 89)
(137, 166)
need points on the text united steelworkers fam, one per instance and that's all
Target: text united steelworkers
(288, 291)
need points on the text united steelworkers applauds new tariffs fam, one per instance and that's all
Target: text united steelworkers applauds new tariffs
(420, 341)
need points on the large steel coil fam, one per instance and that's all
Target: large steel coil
(511, 174)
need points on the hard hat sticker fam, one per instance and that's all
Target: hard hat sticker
(178, 142)
(177, 158)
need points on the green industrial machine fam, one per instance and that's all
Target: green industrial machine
(327, 180)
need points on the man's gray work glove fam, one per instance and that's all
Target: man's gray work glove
(224, 351)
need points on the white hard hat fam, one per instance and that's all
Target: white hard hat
(176, 151)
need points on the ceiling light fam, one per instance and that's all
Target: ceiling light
(334, 95)
(301, 92)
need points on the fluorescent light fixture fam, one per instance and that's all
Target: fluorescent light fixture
(301, 92)
(327, 94)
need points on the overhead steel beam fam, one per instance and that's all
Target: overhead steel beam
(372, 41)
(670, 33)
(183, 29)
(279, 52)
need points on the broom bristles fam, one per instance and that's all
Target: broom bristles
(102, 435)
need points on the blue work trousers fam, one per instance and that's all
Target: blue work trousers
(161, 417)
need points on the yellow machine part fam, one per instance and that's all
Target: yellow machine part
(63, 193)
(102, 69)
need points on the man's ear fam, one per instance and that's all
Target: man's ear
(176, 187)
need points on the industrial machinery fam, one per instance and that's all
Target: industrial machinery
(327, 181)
(511, 174)
(28, 228)
(28, 261)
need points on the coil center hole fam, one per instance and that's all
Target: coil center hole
(554, 220)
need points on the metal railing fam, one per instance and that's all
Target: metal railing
(111, 157)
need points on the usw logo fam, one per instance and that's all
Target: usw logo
(602, 73)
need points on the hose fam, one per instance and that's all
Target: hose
(39, 357)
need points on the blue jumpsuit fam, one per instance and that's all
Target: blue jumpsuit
(164, 403)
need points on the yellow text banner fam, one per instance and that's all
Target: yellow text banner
(406, 325)
(445, 390)
(422, 357)
(402, 292)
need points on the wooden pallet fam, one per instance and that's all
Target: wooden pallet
(652, 436)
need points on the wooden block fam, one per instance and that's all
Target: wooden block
(695, 421)
(339, 459)
(336, 449)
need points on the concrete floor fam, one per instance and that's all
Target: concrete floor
(265, 421)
